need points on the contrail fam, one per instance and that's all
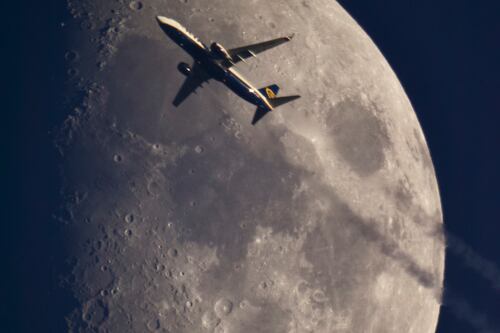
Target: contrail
(484, 267)
(462, 310)
(487, 269)
(457, 305)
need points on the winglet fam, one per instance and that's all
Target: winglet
(289, 37)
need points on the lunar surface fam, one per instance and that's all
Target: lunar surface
(324, 218)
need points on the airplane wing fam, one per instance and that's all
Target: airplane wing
(241, 53)
(192, 82)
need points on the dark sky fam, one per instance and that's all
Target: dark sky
(446, 55)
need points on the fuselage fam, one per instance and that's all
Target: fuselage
(212, 64)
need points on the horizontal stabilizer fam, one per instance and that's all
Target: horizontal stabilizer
(277, 101)
(259, 114)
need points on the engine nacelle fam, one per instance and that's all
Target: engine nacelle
(184, 68)
(219, 51)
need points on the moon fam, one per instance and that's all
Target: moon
(325, 217)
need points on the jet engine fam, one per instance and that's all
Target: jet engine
(220, 52)
(184, 68)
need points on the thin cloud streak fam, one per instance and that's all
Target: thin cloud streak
(484, 267)
(462, 310)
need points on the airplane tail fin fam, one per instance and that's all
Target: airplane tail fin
(270, 91)
(275, 102)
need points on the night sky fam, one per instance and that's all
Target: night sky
(446, 55)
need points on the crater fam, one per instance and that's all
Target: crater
(199, 149)
(136, 5)
(72, 72)
(117, 158)
(129, 218)
(71, 56)
(223, 307)
(95, 313)
(209, 320)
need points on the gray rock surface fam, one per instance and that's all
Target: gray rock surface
(325, 217)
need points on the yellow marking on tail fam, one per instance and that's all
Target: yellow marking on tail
(270, 93)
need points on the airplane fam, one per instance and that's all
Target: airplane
(216, 62)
